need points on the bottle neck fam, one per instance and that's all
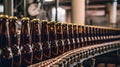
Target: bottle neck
(44, 33)
(58, 32)
(65, 32)
(25, 34)
(13, 33)
(35, 32)
(51, 30)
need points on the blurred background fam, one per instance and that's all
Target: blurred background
(96, 11)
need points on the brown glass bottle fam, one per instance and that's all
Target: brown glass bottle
(92, 35)
(102, 35)
(98, 35)
(52, 38)
(88, 35)
(80, 35)
(109, 34)
(44, 39)
(6, 57)
(83, 37)
(100, 38)
(59, 38)
(14, 41)
(75, 36)
(65, 37)
(70, 35)
(25, 43)
(103, 32)
(106, 34)
(95, 35)
(36, 40)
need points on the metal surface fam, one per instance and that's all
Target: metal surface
(8, 7)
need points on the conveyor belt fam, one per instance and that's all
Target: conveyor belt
(93, 51)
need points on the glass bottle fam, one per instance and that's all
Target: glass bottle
(6, 57)
(36, 40)
(52, 38)
(59, 38)
(25, 43)
(44, 39)
(65, 37)
(75, 36)
(70, 35)
(15, 47)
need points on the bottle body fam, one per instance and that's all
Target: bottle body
(25, 43)
(52, 39)
(70, 35)
(36, 41)
(80, 35)
(6, 57)
(14, 41)
(83, 37)
(65, 37)
(75, 35)
(44, 39)
(59, 38)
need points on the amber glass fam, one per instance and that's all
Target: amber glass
(59, 38)
(75, 35)
(100, 38)
(104, 38)
(88, 35)
(44, 39)
(97, 35)
(83, 36)
(94, 33)
(80, 35)
(70, 35)
(109, 31)
(6, 57)
(106, 34)
(102, 35)
(92, 38)
(65, 37)
(14, 41)
(25, 43)
(52, 39)
(36, 41)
